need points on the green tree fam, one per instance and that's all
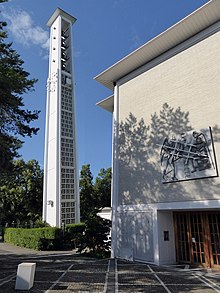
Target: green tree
(87, 198)
(14, 119)
(96, 235)
(21, 193)
(102, 188)
(93, 197)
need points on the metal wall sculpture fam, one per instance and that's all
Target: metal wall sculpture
(188, 156)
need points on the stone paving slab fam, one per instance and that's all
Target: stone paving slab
(142, 289)
(96, 268)
(129, 267)
(137, 279)
(83, 276)
(191, 289)
(179, 278)
(78, 287)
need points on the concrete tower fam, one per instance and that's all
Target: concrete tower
(61, 192)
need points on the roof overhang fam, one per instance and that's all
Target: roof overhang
(105, 213)
(194, 23)
(61, 12)
(107, 104)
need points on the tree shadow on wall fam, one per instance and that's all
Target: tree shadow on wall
(140, 176)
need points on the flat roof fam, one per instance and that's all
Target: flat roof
(61, 12)
(107, 104)
(197, 21)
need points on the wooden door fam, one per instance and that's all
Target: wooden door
(197, 237)
(214, 239)
(181, 226)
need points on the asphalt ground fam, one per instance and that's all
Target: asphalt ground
(61, 271)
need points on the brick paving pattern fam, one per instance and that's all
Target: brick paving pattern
(67, 272)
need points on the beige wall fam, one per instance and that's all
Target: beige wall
(189, 80)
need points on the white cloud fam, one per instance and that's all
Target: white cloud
(24, 30)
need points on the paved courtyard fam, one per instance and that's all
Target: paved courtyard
(67, 272)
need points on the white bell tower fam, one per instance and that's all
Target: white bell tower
(61, 191)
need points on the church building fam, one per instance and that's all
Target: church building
(166, 145)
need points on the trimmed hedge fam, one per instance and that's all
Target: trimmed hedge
(75, 228)
(46, 238)
(37, 238)
(73, 234)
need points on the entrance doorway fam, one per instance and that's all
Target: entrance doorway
(197, 236)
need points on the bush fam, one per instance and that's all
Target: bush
(95, 239)
(73, 234)
(36, 238)
(40, 224)
(91, 236)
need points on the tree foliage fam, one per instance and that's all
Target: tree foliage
(102, 188)
(94, 197)
(21, 193)
(96, 235)
(87, 198)
(14, 119)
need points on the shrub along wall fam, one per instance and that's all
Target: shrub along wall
(36, 238)
(46, 238)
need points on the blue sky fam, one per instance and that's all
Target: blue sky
(105, 32)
